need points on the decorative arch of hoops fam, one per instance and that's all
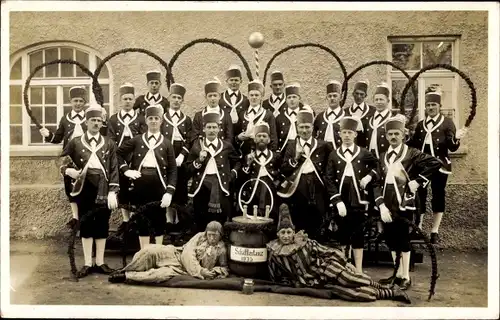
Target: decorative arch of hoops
(169, 78)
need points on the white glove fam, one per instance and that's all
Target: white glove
(365, 181)
(179, 160)
(461, 133)
(413, 185)
(73, 173)
(385, 214)
(166, 200)
(132, 174)
(45, 132)
(341, 208)
(112, 200)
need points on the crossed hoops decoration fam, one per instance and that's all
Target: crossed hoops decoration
(169, 78)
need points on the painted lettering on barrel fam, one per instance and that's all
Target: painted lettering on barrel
(251, 255)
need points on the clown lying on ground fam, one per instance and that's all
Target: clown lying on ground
(203, 257)
(297, 261)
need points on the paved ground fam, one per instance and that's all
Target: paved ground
(38, 268)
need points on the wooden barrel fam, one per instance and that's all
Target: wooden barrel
(247, 250)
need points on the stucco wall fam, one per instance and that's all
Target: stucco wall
(356, 37)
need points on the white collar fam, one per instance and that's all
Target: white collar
(215, 142)
(217, 109)
(230, 92)
(336, 111)
(81, 113)
(172, 111)
(274, 97)
(256, 109)
(354, 105)
(96, 136)
(383, 113)
(156, 135)
(303, 142)
(131, 112)
(435, 119)
(344, 148)
(395, 150)
(265, 151)
(296, 110)
(156, 95)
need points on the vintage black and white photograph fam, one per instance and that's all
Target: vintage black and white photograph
(188, 157)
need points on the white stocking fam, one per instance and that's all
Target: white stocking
(437, 221)
(100, 245)
(87, 250)
(399, 273)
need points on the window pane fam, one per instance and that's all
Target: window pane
(410, 99)
(406, 55)
(16, 135)
(83, 58)
(50, 115)
(67, 69)
(445, 86)
(16, 95)
(50, 95)
(36, 95)
(51, 55)
(437, 52)
(36, 59)
(16, 115)
(104, 72)
(37, 113)
(16, 71)
(35, 136)
(105, 92)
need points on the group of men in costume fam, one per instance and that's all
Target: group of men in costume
(331, 170)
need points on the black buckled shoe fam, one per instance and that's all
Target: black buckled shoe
(84, 271)
(405, 284)
(103, 269)
(118, 277)
(400, 295)
(434, 237)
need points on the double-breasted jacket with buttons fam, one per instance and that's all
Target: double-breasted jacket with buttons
(142, 103)
(442, 139)
(363, 163)
(64, 130)
(367, 112)
(292, 170)
(184, 126)
(117, 127)
(226, 159)
(321, 127)
(382, 144)
(164, 156)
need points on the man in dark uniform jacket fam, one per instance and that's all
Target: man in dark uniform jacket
(303, 165)
(276, 101)
(95, 169)
(435, 135)
(402, 170)
(361, 110)
(327, 123)
(349, 170)
(213, 164)
(177, 127)
(374, 132)
(154, 171)
(212, 95)
(263, 164)
(252, 116)
(153, 96)
(71, 125)
(123, 126)
(232, 100)
(286, 121)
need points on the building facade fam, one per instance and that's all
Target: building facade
(411, 40)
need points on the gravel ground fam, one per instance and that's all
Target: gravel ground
(38, 269)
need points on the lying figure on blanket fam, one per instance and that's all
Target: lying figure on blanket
(295, 260)
(203, 257)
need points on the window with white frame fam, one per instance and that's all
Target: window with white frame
(414, 53)
(49, 90)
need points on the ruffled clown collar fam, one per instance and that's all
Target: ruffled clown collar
(278, 249)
